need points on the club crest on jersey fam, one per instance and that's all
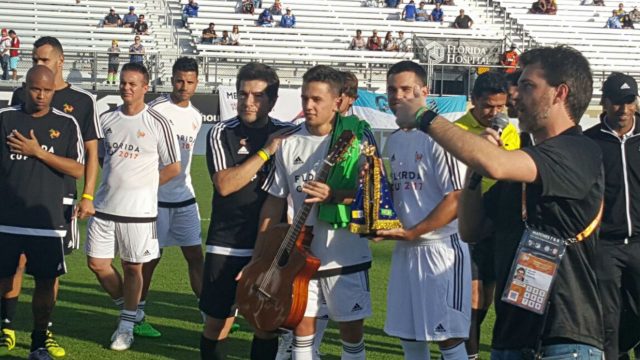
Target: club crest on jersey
(418, 156)
(54, 134)
(140, 134)
(243, 147)
(67, 108)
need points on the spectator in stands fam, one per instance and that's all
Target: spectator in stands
(14, 54)
(635, 14)
(389, 43)
(409, 11)
(5, 46)
(596, 2)
(288, 20)
(257, 4)
(620, 12)
(627, 23)
(136, 51)
(130, 19)
(538, 7)
(276, 8)
(421, 13)
(247, 7)
(437, 14)
(141, 27)
(189, 10)
(209, 35)
(449, 2)
(113, 63)
(552, 7)
(614, 21)
(374, 43)
(358, 42)
(392, 3)
(265, 19)
(462, 21)
(112, 19)
(234, 37)
(510, 59)
(402, 43)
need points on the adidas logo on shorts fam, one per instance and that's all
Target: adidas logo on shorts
(356, 307)
(297, 161)
(440, 328)
(146, 253)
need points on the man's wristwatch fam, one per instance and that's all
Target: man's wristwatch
(424, 118)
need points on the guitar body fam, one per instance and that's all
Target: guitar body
(273, 295)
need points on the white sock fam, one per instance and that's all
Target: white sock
(415, 350)
(353, 351)
(321, 326)
(119, 302)
(140, 313)
(127, 319)
(458, 352)
(302, 348)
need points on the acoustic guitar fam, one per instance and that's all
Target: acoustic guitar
(272, 292)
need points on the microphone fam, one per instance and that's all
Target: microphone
(498, 123)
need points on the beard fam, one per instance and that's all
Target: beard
(535, 115)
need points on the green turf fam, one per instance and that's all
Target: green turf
(85, 317)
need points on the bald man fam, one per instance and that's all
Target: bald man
(42, 146)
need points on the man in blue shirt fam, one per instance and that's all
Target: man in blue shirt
(131, 18)
(614, 22)
(190, 10)
(409, 12)
(437, 14)
(288, 20)
(265, 19)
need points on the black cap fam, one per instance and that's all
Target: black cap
(620, 88)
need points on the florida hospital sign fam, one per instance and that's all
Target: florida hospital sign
(464, 52)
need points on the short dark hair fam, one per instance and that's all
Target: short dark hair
(325, 74)
(410, 66)
(51, 41)
(258, 71)
(185, 64)
(489, 83)
(350, 84)
(512, 78)
(565, 65)
(12, 32)
(137, 67)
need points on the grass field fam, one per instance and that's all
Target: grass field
(85, 317)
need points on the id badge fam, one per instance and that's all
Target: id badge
(534, 270)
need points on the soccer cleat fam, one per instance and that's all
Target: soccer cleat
(7, 341)
(40, 354)
(144, 329)
(55, 350)
(285, 346)
(121, 340)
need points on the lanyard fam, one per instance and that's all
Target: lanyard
(582, 235)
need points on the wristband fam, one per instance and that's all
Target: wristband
(87, 196)
(263, 155)
(426, 118)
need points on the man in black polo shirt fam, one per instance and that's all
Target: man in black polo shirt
(80, 104)
(42, 145)
(618, 255)
(238, 157)
(560, 184)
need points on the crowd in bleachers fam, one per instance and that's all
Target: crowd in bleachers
(131, 20)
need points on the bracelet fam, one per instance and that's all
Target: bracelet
(263, 155)
(87, 196)
(425, 120)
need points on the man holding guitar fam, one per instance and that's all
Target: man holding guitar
(238, 154)
(342, 279)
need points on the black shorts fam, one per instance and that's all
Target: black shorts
(482, 267)
(45, 256)
(219, 284)
(113, 68)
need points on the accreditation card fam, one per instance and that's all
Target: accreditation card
(534, 270)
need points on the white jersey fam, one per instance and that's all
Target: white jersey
(299, 158)
(422, 173)
(135, 147)
(186, 123)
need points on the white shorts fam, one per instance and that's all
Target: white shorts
(342, 297)
(133, 242)
(179, 226)
(429, 291)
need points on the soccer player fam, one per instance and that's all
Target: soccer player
(178, 217)
(138, 141)
(80, 104)
(489, 97)
(342, 280)
(43, 145)
(429, 294)
(238, 158)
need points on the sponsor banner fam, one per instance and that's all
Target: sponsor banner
(461, 51)
(288, 106)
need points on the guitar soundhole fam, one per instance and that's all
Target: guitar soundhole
(284, 258)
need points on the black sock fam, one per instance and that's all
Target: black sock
(264, 349)
(212, 349)
(8, 309)
(482, 313)
(38, 338)
(473, 342)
